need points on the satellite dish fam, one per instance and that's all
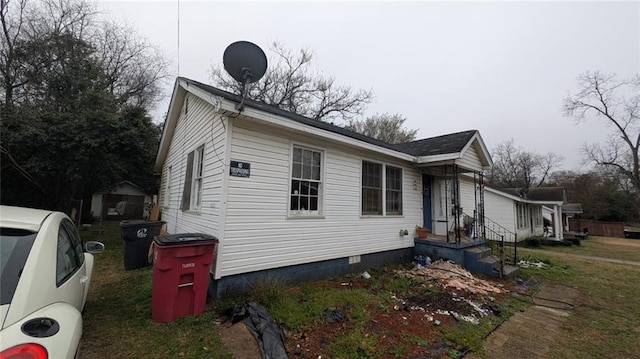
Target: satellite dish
(246, 63)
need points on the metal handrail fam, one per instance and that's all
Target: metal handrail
(495, 224)
(502, 236)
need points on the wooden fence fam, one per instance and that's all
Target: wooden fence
(604, 229)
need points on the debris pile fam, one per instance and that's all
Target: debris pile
(450, 275)
(531, 264)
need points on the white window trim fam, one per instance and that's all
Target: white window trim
(384, 189)
(197, 180)
(196, 183)
(319, 214)
(522, 215)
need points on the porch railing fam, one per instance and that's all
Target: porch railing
(503, 242)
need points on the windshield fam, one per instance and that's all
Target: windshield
(15, 245)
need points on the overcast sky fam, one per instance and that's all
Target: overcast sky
(500, 67)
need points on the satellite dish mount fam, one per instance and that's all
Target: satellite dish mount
(246, 63)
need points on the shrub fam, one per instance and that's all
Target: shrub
(267, 291)
(533, 242)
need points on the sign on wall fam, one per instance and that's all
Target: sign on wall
(240, 169)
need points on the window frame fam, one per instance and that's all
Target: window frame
(74, 253)
(383, 191)
(522, 215)
(193, 181)
(372, 188)
(300, 179)
(197, 179)
(389, 190)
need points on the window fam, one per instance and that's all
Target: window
(69, 253)
(522, 212)
(446, 194)
(394, 190)
(371, 188)
(378, 189)
(15, 245)
(167, 187)
(306, 181)
(192, 192)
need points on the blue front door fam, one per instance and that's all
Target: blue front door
(426, 201)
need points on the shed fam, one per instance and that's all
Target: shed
(126, 201)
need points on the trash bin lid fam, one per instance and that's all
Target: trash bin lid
(132, 222)
(183, 238)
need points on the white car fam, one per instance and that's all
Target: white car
(45, 273)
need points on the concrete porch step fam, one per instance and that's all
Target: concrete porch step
(510, 271)
(476, 253)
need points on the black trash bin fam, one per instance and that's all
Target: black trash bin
(137, 236)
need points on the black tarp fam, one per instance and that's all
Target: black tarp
(268, 333)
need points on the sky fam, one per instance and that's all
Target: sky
(502, 68)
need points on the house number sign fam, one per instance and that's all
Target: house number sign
(240, 169)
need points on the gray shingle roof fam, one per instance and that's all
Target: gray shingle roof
(551, 194)
(288, 114)
(450, 143)
(575, 208)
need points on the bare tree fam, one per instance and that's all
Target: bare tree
(515, 167)
(32, 29)
(385, 127)
(291, 84)
(616, 102)
(134, 67)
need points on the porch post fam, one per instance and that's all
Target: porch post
(557, 222)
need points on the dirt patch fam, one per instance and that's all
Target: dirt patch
(238, 339)
(393, 329)
(409, 325)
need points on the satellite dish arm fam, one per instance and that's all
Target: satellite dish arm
(247, 76)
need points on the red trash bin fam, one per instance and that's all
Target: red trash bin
(180, 274)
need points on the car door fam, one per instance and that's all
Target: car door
(70, 270)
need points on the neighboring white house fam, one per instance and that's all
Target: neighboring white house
(126, 201)
(521, 212)
(568, 211)
(288, 195)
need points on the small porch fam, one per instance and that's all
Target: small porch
(452, 168)
(454, 213)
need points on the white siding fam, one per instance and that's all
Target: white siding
(500, 210)
(200, 125)
(470, 158)
(259, 234)
(468, 198)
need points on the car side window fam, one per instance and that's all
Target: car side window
(67, 260)
(75, 239)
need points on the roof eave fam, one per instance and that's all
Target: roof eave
(520, 199)
(283, 122)
(437, 158)
(169, 125)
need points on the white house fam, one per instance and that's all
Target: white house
(521, 212)
(291, 196)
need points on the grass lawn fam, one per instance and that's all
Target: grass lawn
(606, 319)
(617, 248)
(382, 321)
(117, 318)
(378, 324)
